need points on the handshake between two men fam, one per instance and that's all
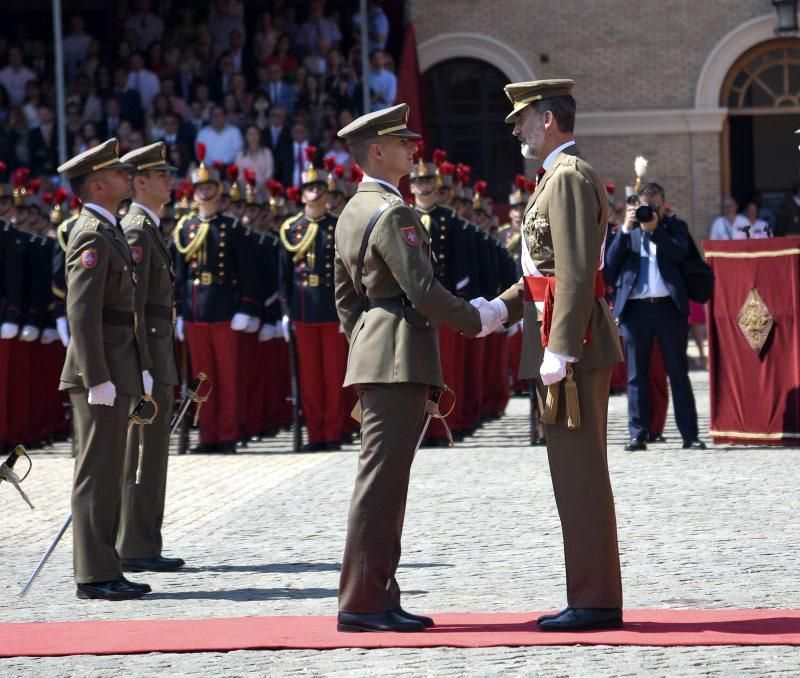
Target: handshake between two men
(494, 313)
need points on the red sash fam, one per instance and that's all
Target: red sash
(543, 289)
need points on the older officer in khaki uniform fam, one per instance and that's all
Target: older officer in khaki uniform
(563, 233)
(101, 371)
(390, 305)
(139, 538)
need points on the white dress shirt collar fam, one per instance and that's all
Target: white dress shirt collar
(103, 212)
(156, 220)
(392, 187)
(548, 161)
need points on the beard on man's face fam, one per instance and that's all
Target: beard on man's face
(528, 149)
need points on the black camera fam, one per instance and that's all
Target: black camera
(644, 214)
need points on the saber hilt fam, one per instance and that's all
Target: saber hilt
(193, 395)
(136, 419)
(7, 471)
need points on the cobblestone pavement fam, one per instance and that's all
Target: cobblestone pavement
(263, 532)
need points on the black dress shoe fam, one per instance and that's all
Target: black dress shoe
(545, 617)
(331, 446)
(427, 622)
(269, 432)
(108, 590)
(227, 447)
(378, 621)
(694, 445)
(144, 588)
(204, 448)
(655, 438)
(313, 447)
(157, 564)
(635, 445)
(241, 443)
(584, 619)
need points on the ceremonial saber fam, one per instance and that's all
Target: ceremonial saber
(192, 395)
(431, 412)
(46, 556)
(7, 471)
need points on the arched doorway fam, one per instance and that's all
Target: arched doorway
(464, 108)
(762, 94)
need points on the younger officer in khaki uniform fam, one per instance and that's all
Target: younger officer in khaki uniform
(101, 370)
(563, 232)
(139, 537)
(390, 305)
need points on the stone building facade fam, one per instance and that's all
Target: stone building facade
(705, 90)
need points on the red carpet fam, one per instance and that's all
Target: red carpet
(454, 629)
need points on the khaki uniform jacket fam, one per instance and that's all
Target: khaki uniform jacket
(154, 298)
(388, 345)
(100, 279)
(564, 229)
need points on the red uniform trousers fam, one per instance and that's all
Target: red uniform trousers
(250, 392)
(213, 348)
(619, 373)
(44, 381)
(500, 376)
(19, 392)
(659, 392)
(322, 360)
(473, 381)
(5, 393)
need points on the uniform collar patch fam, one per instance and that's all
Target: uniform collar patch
(409, 234)
(89, 258)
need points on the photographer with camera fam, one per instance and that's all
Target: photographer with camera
(642, 263)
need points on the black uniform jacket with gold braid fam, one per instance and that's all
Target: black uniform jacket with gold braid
(215, 272)
(154, 298)
(101, 282)
(306, 268)
(450, 260)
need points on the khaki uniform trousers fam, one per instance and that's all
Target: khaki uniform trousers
(142, 511)
(392, 419)
(579, 470)
(101, 433)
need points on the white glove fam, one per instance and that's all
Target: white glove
(62, 326)
(103, 394)
(147, 382)
(493, 314)
(179, 329)
(9, 330)
(29, 333)
(554, 367)
(252, 325)
(239, 322)
(49, 335)
(516, 327)
(287, 337)
(267, 332)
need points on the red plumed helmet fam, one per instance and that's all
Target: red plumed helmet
(179, 194)
(33, 186)
(447, 168)
(610, 187)
(74, 203)
(439, 156)
(3, 166)
(329, 163)
(531, 186)
(520, 182)
(480, 187)
(292, 193)
(275, 187)
(338, 171)
(217, 165)
(233, 171)
(19, 177)
(420, 147)
(60, 195)
(200, 151)
(250, 176)
(311, 151)
(47, 198)
(356, 174)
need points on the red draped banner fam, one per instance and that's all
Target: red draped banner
(755, 396)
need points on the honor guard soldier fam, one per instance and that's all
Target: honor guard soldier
(337, 197)
(449, 267)
(215, 298)
(306, 280)
(563, 231)
(390, 304)
(102, 372)
(139, 540)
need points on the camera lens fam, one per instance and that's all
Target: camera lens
(644, 214)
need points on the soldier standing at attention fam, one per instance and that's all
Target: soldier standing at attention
(139, 537)
(390, 305)
(101, 372)
(217, 295)
(563, 231)
(306, 283)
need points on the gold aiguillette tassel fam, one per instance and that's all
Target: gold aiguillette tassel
(571, 394)
(551, 404)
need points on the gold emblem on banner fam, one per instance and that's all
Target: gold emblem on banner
(755, 321)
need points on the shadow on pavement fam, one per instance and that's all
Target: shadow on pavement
(282, 568)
